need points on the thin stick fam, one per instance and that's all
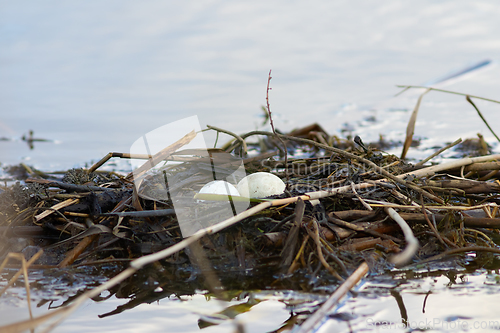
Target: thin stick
(161, 155)
(482, 167)
(315, 235)
(481, 115)
(24, 270)
(433, 227)
(67, 186)
(143, 213)
(297, 257)
(422, 162)
(18, 256)
(27, 282)
(449, 92)
(109, 155)
(412, 243)
(285, 150)
(367, 206)
(57, 206)
(239, 138)
(358, 228)
(490, 242)
(461, 208)
(342, 290)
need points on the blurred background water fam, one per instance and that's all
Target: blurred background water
(95, 75)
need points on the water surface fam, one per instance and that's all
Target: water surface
(94, 76)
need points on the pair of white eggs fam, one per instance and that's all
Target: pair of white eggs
(255, 185)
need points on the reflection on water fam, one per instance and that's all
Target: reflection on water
(30, 139)
(159, 309)
(441, 301)
(437, 300)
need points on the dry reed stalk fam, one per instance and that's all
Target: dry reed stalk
(409, 207)
(298, 255)
(411, 242)
(358, 228)
(434, 228)
(109, 155)
(463, 186)
(292, 237)
(432, 170)
(342, 290)
(316, 238)
(473, 222)
(236, 136)
(410, 129)
(57, 206)
(482, 117)
(364, 244)
(72, 255)
(161, 155)
(367, 206)
(453, 144)
(23, 270)
(488, 239)
(482, 166)
(447, 91)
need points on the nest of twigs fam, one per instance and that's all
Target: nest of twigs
(333, 215)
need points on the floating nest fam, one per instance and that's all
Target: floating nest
(340, 208)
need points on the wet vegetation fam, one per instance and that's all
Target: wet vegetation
(346, 204)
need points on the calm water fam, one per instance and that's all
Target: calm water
(435, 302)
(94, 76)
(426, 299)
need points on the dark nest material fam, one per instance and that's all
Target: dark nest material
(90, 217)
(345, 204)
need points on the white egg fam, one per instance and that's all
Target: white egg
(260, 185)
(219, 187)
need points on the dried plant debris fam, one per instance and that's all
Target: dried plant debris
(17, 198)
(474, 147)
(336, 216)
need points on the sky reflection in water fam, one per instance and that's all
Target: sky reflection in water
(97, 76)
